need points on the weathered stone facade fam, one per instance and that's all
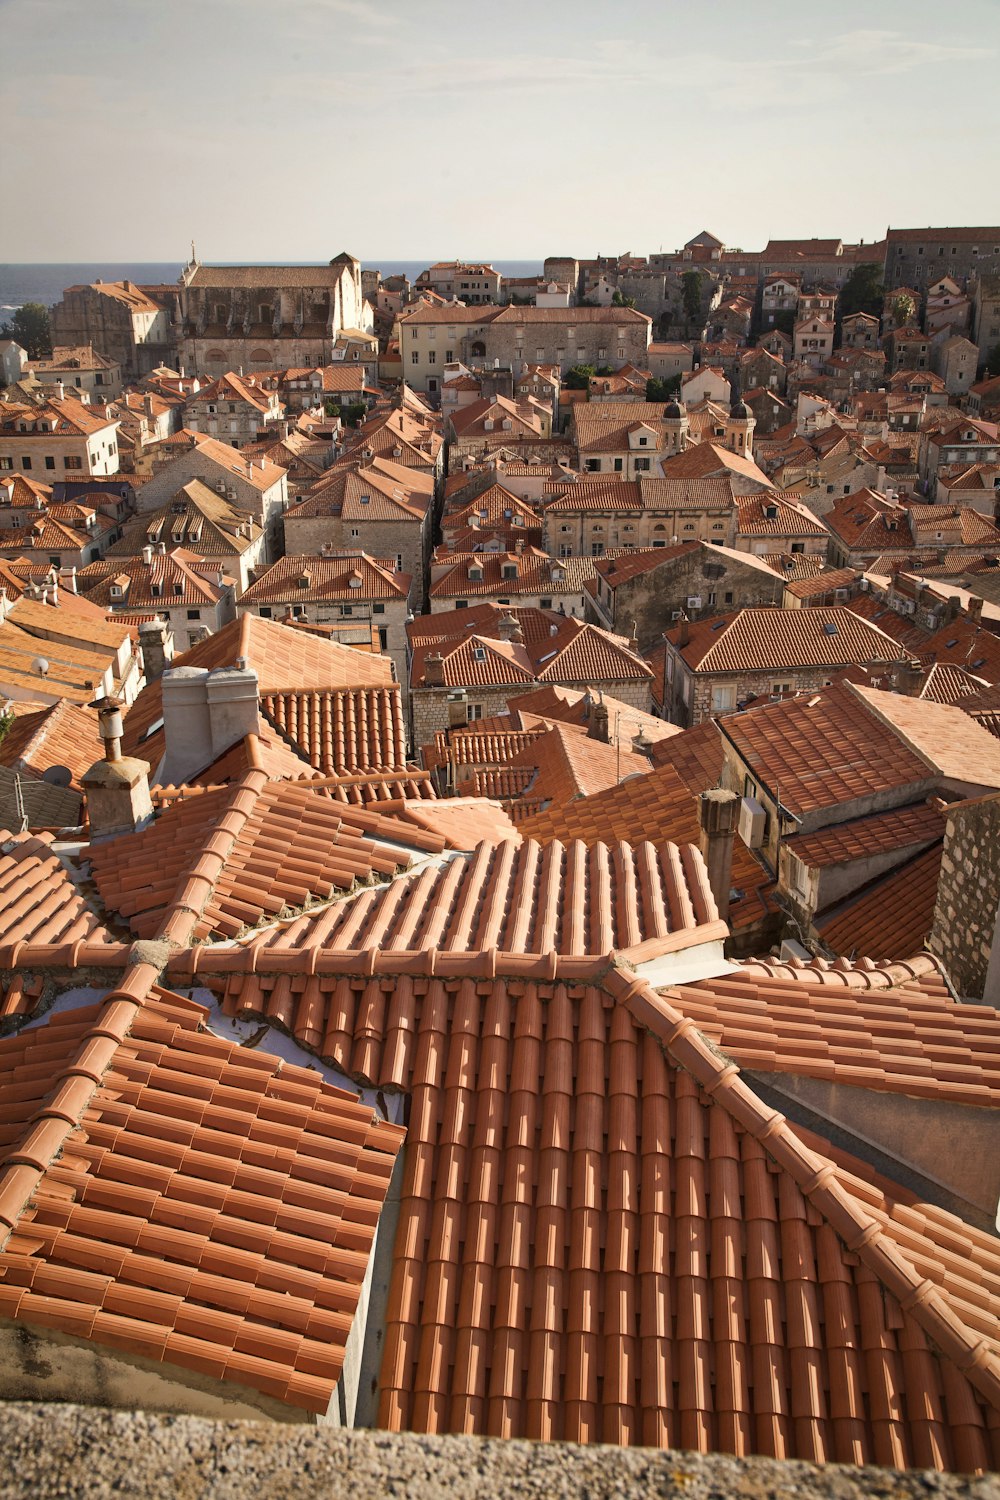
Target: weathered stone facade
(120, 320)
(406, 543)
(965, 915)
(249, 318)
(716, 577)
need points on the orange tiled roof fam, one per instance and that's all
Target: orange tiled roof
(535, 1296)
(948, 739)
(354, 576)
(860, 838)
(283, 660)
(288, 846)
(170, 1194)
(521, 898)
(823, 749)
(346, 730)
(761, 639)
(914, 1041)
(661, 806)
(51, 736)
(891, 916)
(39, 902)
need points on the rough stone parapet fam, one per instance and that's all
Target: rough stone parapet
(76, 1451)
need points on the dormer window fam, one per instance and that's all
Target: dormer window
(303, 581)
(771, 512)
(154, 589)
(475, 573)
(478, 653)
(509, 570)
(116, 591)
(178, 588)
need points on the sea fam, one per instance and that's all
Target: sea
(46, 283)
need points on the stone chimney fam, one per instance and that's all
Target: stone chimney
(434, 669)
(684, 631)
(600, 728)
(117, 787)
(204, 714)
(147, 404)
(907, 678)
(974, 609)
(157, 642)
(509, 628)
(717, 812)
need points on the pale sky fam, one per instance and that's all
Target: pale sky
(295, 129)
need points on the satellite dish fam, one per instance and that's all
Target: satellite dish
(41, 666)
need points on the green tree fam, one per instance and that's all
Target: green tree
(863, 290)
(579, 378)
(620, 301)
(993, 361)
(29, 327)
(662, 390)
(691, 296)
(903, 309)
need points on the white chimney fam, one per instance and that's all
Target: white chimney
(204, 714)
(147, 555)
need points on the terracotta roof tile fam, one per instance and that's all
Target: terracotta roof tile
(520, 897)
(896, 1039)
(860, 838)
(284, 660)
(662, 806)
(585, 1230)
(39, 902)
(889, 917)
(103, 1243)
(221, 860)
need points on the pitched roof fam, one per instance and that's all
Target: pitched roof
(518, 897)
(51, 739)
(284, 660)
(662, 805)
(347, 576)
(891, 916)
(911, 1040)
(861, 838)
(342, 730)
(939, 732)
(381, 490)
(509, 1232)
(195, 518)
(171, 1194)
(39, 901)
(760, 639)
(288, 845)
(824, 749)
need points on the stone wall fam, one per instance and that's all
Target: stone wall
(78, 1452)
(649, 599)
(306, 537)
(965, 915)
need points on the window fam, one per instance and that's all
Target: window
(25, 462)
(355, 533)
(347, 609)
(6, 463)
(473, 711)
(265, 611)
(50, 462)
(618, 465)
(642, 463)
(461, 603)
(415, 357)
(432, 357)
(545, 604)
(194, 614)
(378, 609)
(723, 697)
(727, 597)
(621, 353)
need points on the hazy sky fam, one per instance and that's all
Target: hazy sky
(293, 129)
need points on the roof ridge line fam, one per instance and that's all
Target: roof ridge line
(816, 1178)
(188, 902)
(23, 1168)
